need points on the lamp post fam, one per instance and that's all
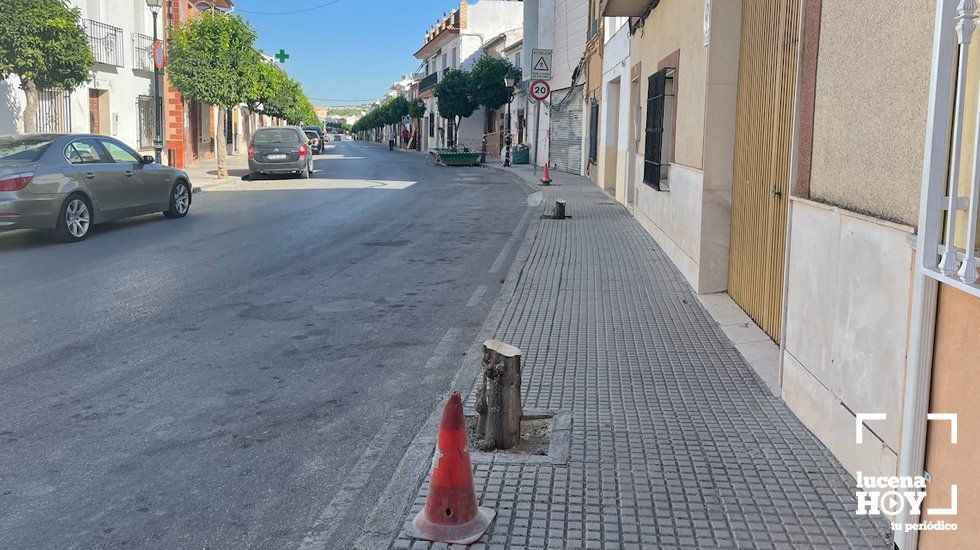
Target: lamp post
(155, 6)
(510, 79)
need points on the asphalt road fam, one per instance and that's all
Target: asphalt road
(249, 375)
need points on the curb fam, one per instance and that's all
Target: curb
(384, 522)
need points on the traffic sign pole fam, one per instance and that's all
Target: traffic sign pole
(537, 126)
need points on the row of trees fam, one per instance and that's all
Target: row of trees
(390, 111)
(213, 60)
(459, 94)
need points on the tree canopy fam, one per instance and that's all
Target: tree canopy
(487, 82)
(455, 95)
(212, 59)
(41, 41)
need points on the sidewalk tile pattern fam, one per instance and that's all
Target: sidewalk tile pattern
(676, 443)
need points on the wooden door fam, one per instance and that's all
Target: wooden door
(763, 150)
(94, 112)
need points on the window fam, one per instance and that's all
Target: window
(454, 58)
(269, 136)
(146, 117)
(83, 151)
(593, 131)
(19, 149)
(445, 62)
(119, 152)
(659, 127)
(432, 125)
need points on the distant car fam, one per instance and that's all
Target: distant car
(315, 142)
(321, 139)
(66, 183)
(336, 137)
(280, 150)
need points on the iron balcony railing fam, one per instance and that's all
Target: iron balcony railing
(53, 111)
(428, 82)
(106, 42)
(142, 52)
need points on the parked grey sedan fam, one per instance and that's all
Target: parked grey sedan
(280, 150)
(67, 183)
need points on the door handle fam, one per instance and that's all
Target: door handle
(129, 173)
(89, 175)
(777, 192)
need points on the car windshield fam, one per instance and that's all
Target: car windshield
(25, 149)
(311, 134)
(278, 135)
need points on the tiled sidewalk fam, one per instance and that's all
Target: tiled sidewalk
(676, 442)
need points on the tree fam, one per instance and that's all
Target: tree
(42, 43)
(416, 109)
(397, 107)
(487, 85)
(213, 61)
(454, 93)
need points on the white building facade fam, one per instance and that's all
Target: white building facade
(118, 100)
(456, 42)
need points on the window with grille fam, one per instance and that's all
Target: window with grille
(432, 126)
(53, 111)
(593, 131)
(147, 122)
(659, 127)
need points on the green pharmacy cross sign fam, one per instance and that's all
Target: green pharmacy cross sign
(282, 56)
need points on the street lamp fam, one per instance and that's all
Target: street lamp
(155, 6)
(510, 79)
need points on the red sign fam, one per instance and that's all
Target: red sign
(159, 54)
(540, 90)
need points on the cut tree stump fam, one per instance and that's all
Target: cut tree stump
(498, 401)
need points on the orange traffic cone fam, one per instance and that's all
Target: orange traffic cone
(451, 514)
(546, 176)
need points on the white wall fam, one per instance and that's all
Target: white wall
(615, 78)
(844, 348)
(571, 24)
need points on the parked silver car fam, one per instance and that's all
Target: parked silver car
(280, 150)
(66, 183)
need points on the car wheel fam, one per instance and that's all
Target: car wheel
(180, 201)
(74, 220)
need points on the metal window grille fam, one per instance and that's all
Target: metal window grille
(593, 131)
(53, 111)
(432, 126)
(106, 42)
(147, 121)
(652, 165)
(142, 52)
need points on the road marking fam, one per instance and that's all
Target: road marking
(477, 296)
(360, 475)
(505, 251)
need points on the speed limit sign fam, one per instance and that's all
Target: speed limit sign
(540, 90)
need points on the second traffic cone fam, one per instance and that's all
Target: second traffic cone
(546, 176)
(451, 514)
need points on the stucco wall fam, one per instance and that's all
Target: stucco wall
(955, 380)
(870, 111)
(845, 343)
(571, 22)
(673, 25)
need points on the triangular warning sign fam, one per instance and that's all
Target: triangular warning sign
(541, 65)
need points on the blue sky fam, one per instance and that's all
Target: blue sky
(350, 49)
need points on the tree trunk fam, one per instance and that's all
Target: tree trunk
(498, 402)
(221, 146)
(247, 126)
(30, 106)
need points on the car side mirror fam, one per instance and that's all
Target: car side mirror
(148, 159)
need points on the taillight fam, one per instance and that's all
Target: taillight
(15, 182)
(302, 150)
(251, 152)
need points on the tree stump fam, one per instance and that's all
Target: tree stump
(498, 402)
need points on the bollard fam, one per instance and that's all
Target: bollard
(559, 213)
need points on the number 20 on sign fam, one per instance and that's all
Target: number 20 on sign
(540, 90)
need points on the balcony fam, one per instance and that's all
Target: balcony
(142, 52)
(428, 82)
(627, 8)
(106, 42)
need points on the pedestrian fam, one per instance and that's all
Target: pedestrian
(406, 135)
(391, 140)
